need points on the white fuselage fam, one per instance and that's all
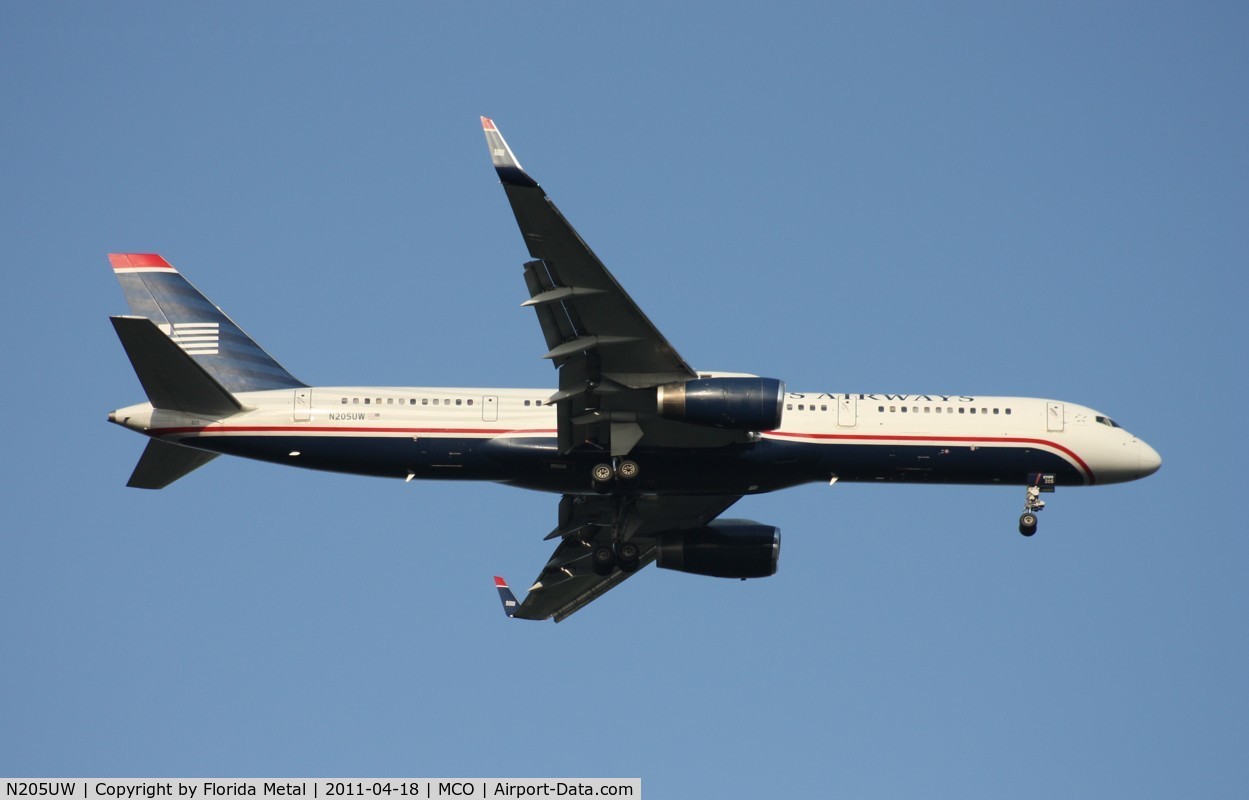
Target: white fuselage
(444, 432)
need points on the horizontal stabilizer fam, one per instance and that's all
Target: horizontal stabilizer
(170, 376)
(163, 463)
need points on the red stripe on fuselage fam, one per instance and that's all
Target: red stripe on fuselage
(328, 429)
(972, 439)
(227, 429)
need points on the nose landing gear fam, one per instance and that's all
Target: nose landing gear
(1037, 482)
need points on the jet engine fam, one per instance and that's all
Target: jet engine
(740, 404)
(728, 548)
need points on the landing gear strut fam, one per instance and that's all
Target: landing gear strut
(1037, 482)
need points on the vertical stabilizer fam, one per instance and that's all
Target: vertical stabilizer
(154, 289)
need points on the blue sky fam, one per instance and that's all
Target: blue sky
(907, 197)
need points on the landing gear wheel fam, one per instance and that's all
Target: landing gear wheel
(602, 473)
(604, 559)
(1027, 524)
(628, 552)
(628, 470)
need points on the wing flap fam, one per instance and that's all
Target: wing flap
(568, 582)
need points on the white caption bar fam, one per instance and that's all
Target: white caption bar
(318, 788)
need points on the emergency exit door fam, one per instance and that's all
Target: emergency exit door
(489, 408)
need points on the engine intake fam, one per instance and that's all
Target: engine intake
(727, 548)
(740, 404)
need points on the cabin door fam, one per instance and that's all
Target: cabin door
(1054, 417)
(489, 408)
(847, 411)
(303, 405)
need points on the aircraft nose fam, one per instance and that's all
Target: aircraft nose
(1150, 461)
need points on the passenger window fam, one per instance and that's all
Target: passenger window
(789, 406)
(995, 411)
(823, 408)
(355, 400)
(927, 409)
(435, 401)
(424, 401)
(526, 402)
(903, 409)
(800, 408)
(366, 401)
(459, 402)
(412, 402)
(390, 401)
(344, 401)
(881, 409)
(1008, 411)
(892, 409)
(962, 411)
(470, 402)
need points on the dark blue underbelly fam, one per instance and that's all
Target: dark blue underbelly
(762, 466)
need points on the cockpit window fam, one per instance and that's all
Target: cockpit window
(1109, 422)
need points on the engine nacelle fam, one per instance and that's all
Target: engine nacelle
(740, 404)
(727, 548)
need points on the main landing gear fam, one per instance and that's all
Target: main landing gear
(614, 478)
(605, 474)
(607, 557)
(1038, 482)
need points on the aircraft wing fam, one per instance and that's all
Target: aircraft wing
(602, 344)
(569, 582)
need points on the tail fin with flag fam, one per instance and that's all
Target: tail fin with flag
(154, 289)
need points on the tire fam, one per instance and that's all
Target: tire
(604, 559)
(628, 553)
(1027, 524)
(602, 473)
(629, 470)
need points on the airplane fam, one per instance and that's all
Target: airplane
(645, 451)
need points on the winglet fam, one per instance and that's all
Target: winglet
(505, 594)
(505, 164)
